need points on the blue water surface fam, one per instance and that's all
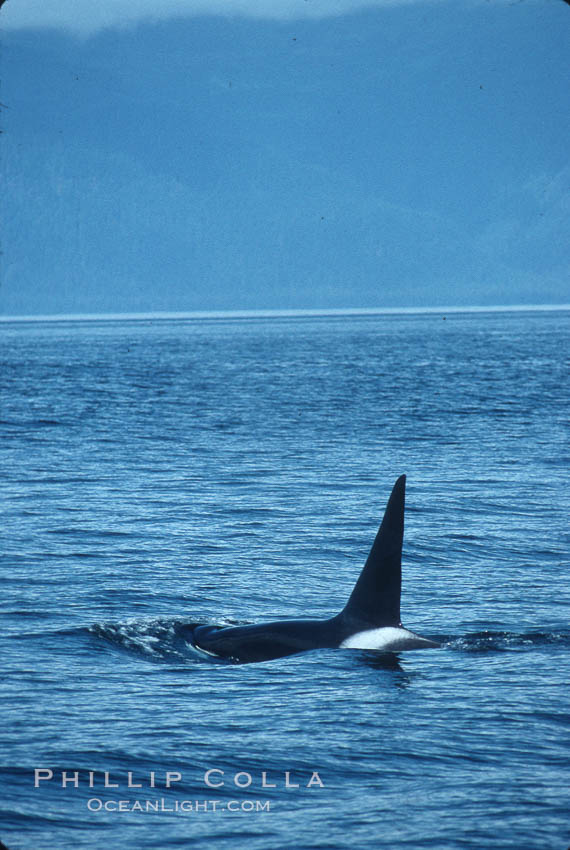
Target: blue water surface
(157, 473)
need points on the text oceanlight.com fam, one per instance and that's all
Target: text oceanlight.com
(95, 804)
(213, 779)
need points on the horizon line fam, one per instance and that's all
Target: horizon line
(277, 313)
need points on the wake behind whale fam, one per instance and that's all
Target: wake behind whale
(369, 620)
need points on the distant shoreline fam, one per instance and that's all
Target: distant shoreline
(197, 315)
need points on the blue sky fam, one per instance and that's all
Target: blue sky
(248, 154)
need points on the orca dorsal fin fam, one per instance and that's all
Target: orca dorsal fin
(375, 599)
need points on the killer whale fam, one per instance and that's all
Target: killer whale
(369, 620)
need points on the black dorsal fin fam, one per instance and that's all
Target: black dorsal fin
(375, 600)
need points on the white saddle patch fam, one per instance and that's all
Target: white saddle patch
(387, 639)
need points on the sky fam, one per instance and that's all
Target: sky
(283, 154)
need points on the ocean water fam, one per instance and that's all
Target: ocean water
(232, 471)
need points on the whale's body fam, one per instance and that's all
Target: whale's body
(369, 620)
